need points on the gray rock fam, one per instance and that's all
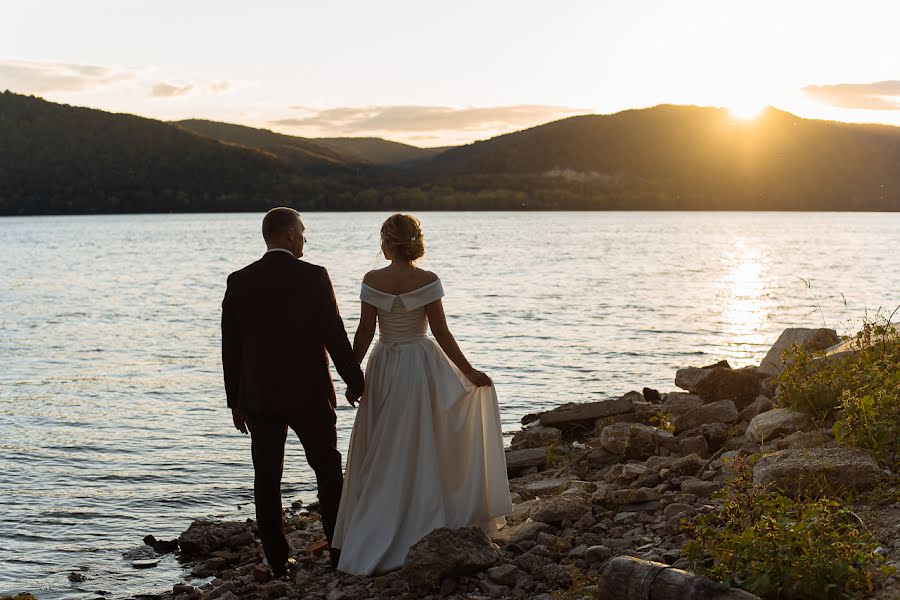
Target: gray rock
(221, 591)
(516, 460)
(649, 506)
(760, 405)
(597, 554)
(689, 377)
(730, 384)
(815, 471)
(204, 537)
(448, 553)
(557, 509)
(589, 411)
(632, 496)
(677, 508)
(633, 440)
(536, 437)
(520, 533)
(679, 402)
(548, 487)
(504, 574)
(696, 444)
(773, 423)
(723, 411)
(810, 339)
(700, 488)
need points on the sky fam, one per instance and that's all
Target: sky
(433, 73)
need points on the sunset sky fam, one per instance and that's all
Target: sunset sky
(431, 73)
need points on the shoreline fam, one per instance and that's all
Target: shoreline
(599, 491)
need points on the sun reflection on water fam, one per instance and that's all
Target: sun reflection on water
(747, 303)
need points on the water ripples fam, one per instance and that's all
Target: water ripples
(112, 416)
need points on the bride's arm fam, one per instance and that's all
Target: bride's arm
(365, 332)
(438, 322)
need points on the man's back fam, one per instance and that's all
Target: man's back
(279, 316)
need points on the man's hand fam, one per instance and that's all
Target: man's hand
(240, 420)
(353, 396)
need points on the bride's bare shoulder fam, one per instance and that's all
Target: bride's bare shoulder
(427, 277)
(372, 276)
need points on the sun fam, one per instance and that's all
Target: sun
(746, 110)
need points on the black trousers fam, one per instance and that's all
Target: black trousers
(319, 438)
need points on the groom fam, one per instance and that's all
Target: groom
(279, 317)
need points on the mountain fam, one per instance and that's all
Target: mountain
(56, 158)
(693, 157)
(378, 151)
(298, 152)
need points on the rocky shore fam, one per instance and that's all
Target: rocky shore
(601, 492)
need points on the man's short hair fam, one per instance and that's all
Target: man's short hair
(277, 220)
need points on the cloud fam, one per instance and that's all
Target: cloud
(168, 90)
(220, 87)
(39, 77)
(414, 120)
(880, 95)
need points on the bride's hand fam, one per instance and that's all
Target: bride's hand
(478, 378)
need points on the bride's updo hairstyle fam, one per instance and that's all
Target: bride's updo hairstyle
(401, 235)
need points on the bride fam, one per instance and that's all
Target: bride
(426, 449)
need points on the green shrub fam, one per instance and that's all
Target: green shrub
(780, 548)
(822, 387)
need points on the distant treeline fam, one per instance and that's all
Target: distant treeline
(59, 159)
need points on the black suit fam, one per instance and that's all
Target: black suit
(279, 317)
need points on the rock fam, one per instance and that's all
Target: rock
(597, 554)
(633, 440)
(773, 423)
(818, 438)
(536, 437)
(815, 471)
(631, 496)
(625, 472)
(516, 460)
(161, 546)
(548, 487)
(689, 377)
(760, 405)
(261, 573)
(589, 411)
(681, 402)
(598, 457)
(809, 339)
(730, 384)
(723, 411)
(504, 574)
(557, 509)
(220, 591)
(630, 578)
(649, 506)
(204, 537)
(520, 533)
(677, 508)
(206, 568)
(77, 577)
(448, 553)
(700, 488)
(686, 465)
(651, 395)
(147, 563)
(694, 445)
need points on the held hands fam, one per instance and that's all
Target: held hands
(240, 420)
(478, 378)
(353, 396)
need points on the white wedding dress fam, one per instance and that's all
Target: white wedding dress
(426, 449)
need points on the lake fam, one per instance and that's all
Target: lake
(113, 422)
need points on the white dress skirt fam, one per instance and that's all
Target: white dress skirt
(426, 449)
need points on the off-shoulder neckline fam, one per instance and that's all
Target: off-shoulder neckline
(424, 287)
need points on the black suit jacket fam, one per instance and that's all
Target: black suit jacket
(279, 317)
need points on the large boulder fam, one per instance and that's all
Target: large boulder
(760, 405)
(774, 423)
(448, 553)
(681, 402)
(634, 440)
(587, 413)
(814, 471)
(689, 377)
(723, 411)
(203, 537)
(810, 339)
(730, 384)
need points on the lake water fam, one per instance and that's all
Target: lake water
(112, 415)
